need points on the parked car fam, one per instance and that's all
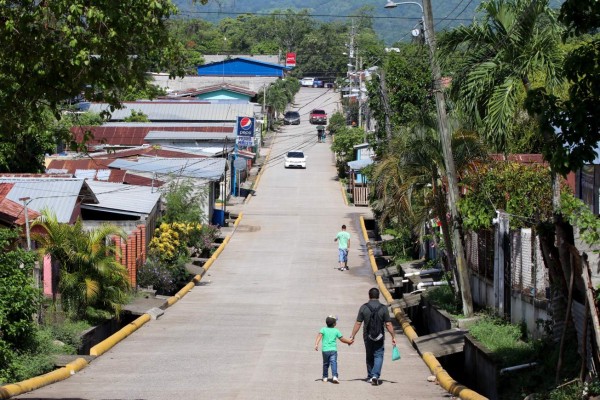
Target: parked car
(291, 118)
(318, 116)
(307, 81)
(295, 159)
(318, 83)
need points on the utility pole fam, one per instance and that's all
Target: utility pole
(25, 201)
(351, 66)
(386, 104)
(461, 263)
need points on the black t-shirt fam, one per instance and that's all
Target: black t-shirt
(364, 314)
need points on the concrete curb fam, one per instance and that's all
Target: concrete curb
(445, 380)
(15, 389)
(121, 334)
(344, 196)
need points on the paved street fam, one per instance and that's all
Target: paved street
(247, 332)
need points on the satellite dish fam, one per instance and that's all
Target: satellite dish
(416, 32)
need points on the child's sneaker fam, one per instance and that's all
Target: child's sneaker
(324, 379)
(335, 379)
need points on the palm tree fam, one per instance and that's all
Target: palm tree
(496, 59)
(91, 283)
(409, 180)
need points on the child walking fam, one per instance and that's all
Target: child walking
(330, 334)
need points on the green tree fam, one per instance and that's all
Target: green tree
(343, 145)
(409, 180)
(407, 89)
(136, 116)
(55, 51)
(319, 51)
(91, 283)
(183, 202)
(514, 41)
(573, 124)
(507, 186)
(19, 298)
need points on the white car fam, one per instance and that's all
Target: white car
(295, 159)
(307, 82)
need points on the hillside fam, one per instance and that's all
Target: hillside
(392, 25)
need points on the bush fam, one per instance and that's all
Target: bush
(202, 239)
(68, 332)
(157, 275)
(36, 359)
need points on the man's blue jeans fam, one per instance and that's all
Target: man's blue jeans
(374, 357)
(330, 358)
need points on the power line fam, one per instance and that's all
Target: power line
(310, 15)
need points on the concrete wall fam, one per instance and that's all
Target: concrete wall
(523, 307)
(482, 291)
(480, 368)
(435, 320)
(526, 308)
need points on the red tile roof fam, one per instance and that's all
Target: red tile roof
(134, 135)
(520, 158)
(12, 213)
(116, 175)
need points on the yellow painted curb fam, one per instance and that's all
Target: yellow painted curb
(15, 389)
(237, 220)
(447, 382)
(344, 194)
(115, 338)
(435, 367)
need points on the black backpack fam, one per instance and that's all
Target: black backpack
(375, 324)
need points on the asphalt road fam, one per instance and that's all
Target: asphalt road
(248, 331)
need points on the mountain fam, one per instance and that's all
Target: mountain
(391, 24)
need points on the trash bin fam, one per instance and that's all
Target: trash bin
(218, 217)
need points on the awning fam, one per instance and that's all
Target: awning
(360, 164)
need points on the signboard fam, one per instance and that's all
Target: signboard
(290, 59)
(245, 141)
(245, 127)
(245, 131)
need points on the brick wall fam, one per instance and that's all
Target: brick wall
(132, 252)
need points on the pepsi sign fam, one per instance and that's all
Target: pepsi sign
(245, 127)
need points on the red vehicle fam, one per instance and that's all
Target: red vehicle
(318, 116)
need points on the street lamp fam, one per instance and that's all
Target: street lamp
(391, 4)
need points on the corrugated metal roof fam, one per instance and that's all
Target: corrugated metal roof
(179, 111)
(170, 135)
(129, 199)
(360, 164)
(57, 195)
(85, 173)
(202, 168)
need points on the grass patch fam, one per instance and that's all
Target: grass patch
(504, 340)
(443, 298)
(57, 335)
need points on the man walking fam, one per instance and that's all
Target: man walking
(343, 239)
(375, 316)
